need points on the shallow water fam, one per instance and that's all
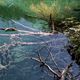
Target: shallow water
(23, 68)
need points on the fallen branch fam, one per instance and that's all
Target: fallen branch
(45, 65)
(28, 33)
(52, 57)
(65, 72)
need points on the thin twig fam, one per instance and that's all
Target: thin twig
(66, 71)
(46, 65)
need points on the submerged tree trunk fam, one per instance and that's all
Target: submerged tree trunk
(51, 24)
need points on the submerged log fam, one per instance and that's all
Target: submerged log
(8, 29)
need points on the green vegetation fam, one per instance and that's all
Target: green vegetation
(75, 40)
(54, 13)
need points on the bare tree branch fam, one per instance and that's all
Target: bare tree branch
(66, 71)
(46, 65)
